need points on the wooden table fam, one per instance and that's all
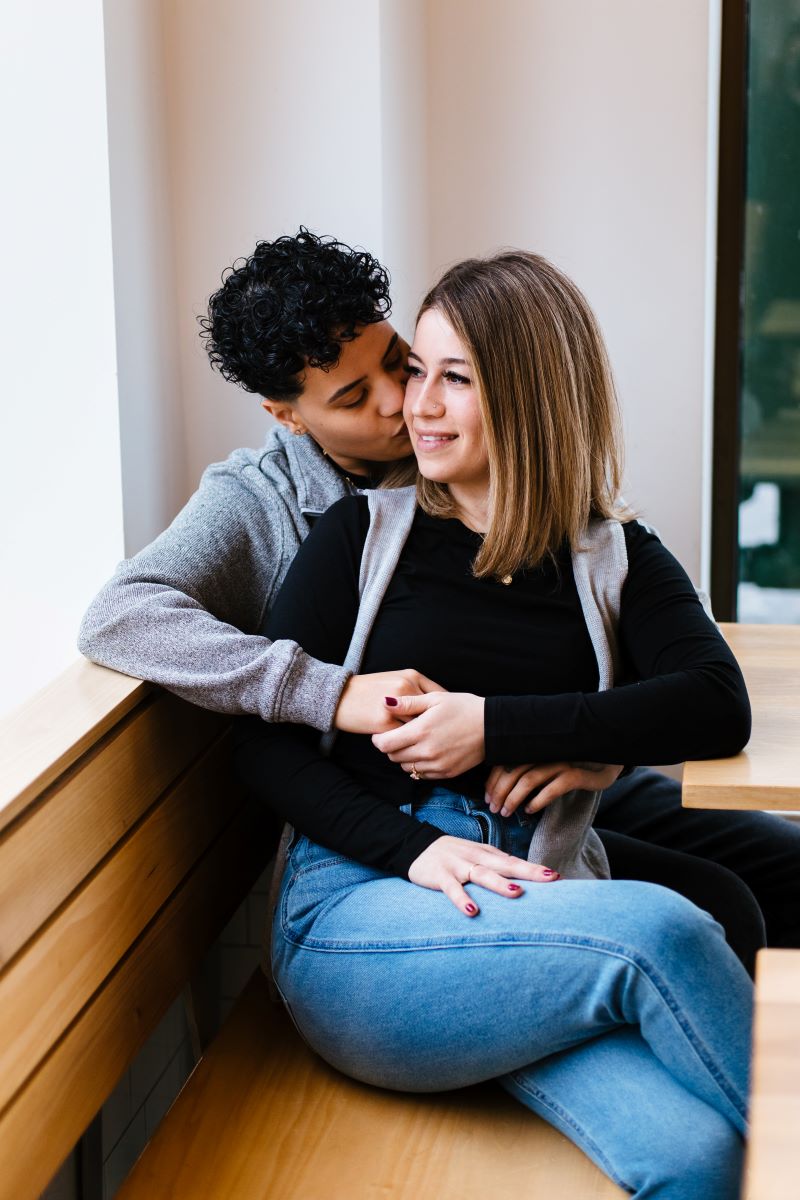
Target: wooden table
(773, 1163)
(766, 775)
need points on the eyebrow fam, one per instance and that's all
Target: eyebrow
(442, 361)
(392, 343)
(348, 387)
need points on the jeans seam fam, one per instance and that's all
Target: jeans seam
(696, 1043)
(334, 860)
(568, 1119)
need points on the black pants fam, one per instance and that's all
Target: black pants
(742, 867)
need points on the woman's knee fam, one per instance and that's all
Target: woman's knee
(667, 919)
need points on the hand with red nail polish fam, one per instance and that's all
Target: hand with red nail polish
(450, 863)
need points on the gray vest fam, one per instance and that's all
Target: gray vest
(563, 838)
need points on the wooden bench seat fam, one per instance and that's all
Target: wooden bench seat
(124, 850)
(263, 1118)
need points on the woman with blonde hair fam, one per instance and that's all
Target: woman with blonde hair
(564, 631)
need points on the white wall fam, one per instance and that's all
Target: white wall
(428, 130)
(60, 500)
(425, 130)
(275, 121)
(579, 130)
(407, 200)
(151, 418)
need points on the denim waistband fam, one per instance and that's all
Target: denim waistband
(462, 816)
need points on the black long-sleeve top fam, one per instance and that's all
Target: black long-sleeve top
(525, 647)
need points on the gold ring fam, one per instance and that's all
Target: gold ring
(415, 775)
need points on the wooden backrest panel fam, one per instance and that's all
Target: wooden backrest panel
(46, 1117)
(125, 847)
(116, 780)
(42, 738)
(57, 972)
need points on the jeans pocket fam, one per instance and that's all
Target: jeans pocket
(457, 816)
(308, 889)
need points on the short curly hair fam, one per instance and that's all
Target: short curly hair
(291, 304)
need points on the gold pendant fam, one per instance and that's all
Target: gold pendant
(507, 579)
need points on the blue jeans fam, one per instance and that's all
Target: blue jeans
(613, 1009)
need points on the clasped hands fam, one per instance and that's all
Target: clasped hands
(435, 734)
(440, 734)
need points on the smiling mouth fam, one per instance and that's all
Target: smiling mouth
(434, 441)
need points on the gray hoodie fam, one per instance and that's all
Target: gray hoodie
(188, 610)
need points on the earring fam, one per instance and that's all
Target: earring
(298, 432)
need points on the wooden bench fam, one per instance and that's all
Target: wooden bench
(124, 850)
(773, 1154)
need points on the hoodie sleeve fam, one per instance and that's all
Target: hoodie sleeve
(188, 611)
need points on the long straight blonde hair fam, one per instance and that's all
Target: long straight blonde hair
(548, 403)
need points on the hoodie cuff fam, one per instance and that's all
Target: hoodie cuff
(310, 692)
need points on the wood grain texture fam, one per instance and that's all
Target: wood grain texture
(58, 1101)
(39, 740)
(46, 985)
(46, 854)
(766, 775)
(772, 1169)
(262, 1118)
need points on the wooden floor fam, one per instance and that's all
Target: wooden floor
(262, 1117)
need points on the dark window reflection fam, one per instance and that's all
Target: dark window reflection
(769, 513)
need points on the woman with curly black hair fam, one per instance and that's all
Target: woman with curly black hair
(302, 323)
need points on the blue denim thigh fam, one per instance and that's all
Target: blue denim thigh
(315, 876)
(393, 985)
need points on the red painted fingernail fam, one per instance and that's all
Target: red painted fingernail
(547, 871)
(391, 701)
(471, 909)
(513, 887)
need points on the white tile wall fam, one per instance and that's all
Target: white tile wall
(119, 1162)
(143, 1095)
(116, 1114)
